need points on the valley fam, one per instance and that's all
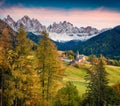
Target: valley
(41, 74)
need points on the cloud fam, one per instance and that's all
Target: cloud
(2, 2)
(99, 18)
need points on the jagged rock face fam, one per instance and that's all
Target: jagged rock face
(66, 27)
(4, 25)
(10, 21)
(30, 25)
(62, 31)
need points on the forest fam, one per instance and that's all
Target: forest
(30, 75)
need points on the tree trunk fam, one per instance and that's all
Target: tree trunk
(2, 88)
(43, 86)
(48, 86)
(15, 101)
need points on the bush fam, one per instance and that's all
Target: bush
(68, 96)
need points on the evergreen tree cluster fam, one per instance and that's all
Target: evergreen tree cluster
(98, 92)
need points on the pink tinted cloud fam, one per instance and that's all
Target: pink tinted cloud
(99, 18)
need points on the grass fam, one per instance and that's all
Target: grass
(113, 74)
(77, 76)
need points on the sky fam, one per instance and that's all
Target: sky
(81, 13)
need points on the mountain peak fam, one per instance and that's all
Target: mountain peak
(65, 22)
(8, 16)
(9, 19)
(63, 31)
(30, 25)
(26, 17)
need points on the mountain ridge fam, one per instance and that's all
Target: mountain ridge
(5, 25)
(30, 25)
(106, 43)
(62, 31)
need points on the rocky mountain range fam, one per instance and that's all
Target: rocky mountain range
(106, 43)
(62, 31)
(65, 31)
(30, 25)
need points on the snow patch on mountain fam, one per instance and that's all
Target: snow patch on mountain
(10, 22)
(62, 31)
(30, 25)
(64, 37)
(65, 31)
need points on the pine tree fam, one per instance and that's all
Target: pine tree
(98, 82)
(102, 82)
(49, 68)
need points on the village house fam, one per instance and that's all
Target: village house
(79, 59)
(63, 57)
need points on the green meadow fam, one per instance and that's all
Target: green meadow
(78, 75)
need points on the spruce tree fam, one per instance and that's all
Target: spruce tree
(98, 82)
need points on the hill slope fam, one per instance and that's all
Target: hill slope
(106, 43)
(4, 25)
(77, 76)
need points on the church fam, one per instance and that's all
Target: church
(79, 59)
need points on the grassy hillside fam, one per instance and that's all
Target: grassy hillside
(77, 76)
(113, 74)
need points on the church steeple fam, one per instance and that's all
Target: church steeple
(77, 55)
